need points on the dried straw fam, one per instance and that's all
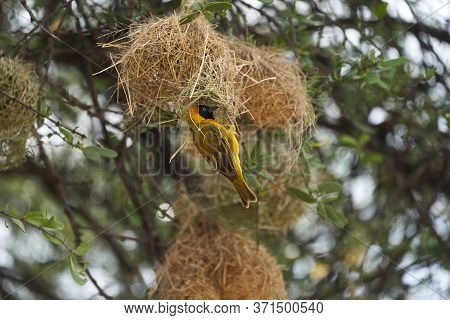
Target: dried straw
(18, 80)
(163, 67)
(209, 261)
(273, 88)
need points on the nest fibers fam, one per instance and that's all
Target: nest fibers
(163, 67)
(209, 261)
(273, 88)
(18, 80)
(274, 91)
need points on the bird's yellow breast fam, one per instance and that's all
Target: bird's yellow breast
(198, 121)
(220, 147)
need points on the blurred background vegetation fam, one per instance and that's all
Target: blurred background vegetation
(378, 75)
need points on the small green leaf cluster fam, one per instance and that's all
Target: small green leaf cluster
(78, 268)
(208, 9)
(371, 70)
(93, 152)
(51, 227)
(323, 195)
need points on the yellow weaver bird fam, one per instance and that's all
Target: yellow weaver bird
(219, 146)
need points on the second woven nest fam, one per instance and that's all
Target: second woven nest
(273, 88)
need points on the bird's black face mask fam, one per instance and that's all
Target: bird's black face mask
(206, 112)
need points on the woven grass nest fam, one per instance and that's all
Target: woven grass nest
(273, 89)
(164, 66)
(209, 261)
(19, 80)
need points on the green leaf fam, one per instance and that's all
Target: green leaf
(256, 152)
(329, 197)
(53, 224)
(77, 271)
(266, 1)
(373, 158)
(321, 211)
(189, 17)
(329, 213)
(301, 194)
(95, 152)
(106, 152)
(265, 174)
(35, 217)
(91, 153)
(347, 140)
(218, 6)
(52, 238)
(329, 187)
(66, 134)
(82, 248)
(208, 15)
(19, 223)
(336, 216)
(373, 79)
(372, 56)
(364, 138)
(394, 63)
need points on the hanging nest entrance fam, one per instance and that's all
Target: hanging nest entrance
(164, 66)
(18, 80)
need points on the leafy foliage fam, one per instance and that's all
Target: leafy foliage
(207, 8)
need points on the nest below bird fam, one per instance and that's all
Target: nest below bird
(18, 80)
(164, 66)
(209, 261)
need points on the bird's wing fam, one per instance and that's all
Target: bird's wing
(217, 149)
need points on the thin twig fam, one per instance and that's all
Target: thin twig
(33, 109)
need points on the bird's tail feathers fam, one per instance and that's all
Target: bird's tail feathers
(247, 196)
